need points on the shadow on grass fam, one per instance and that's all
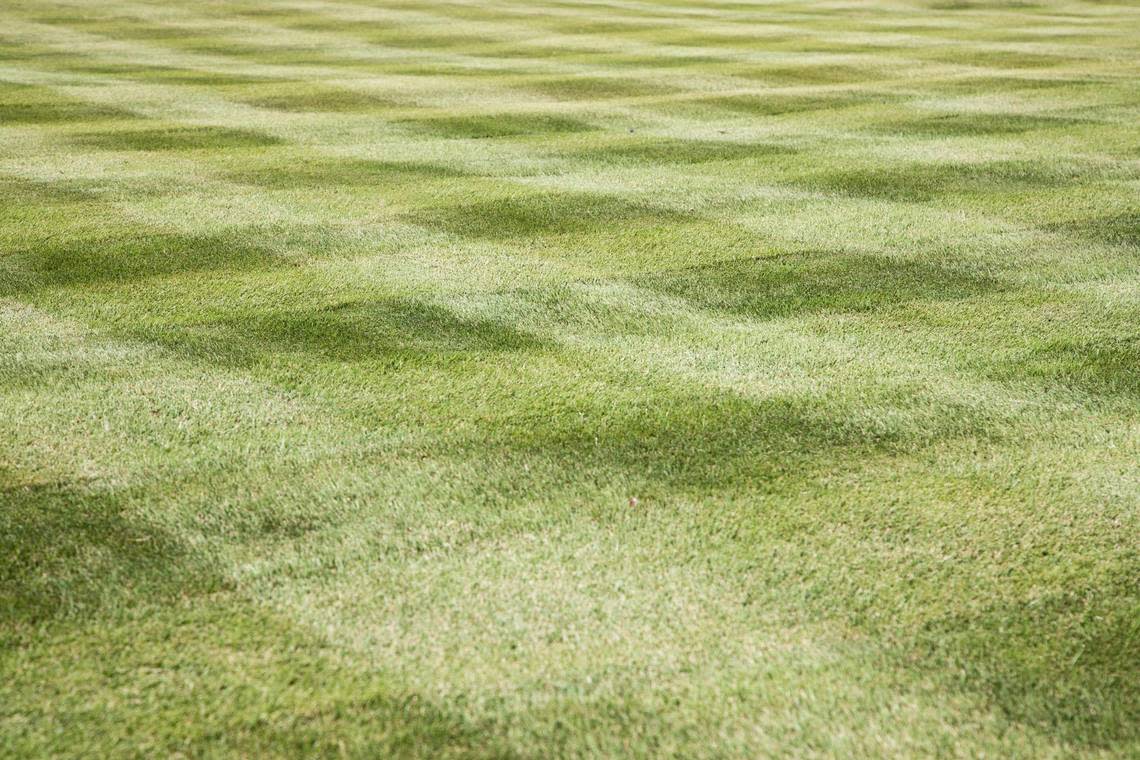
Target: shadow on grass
(668, 150)
(174, 139)
(404, 38)
(1114, 229)
(398, 332)
(344, 172)
(667, 441)
(167, 74)
(64, 551)
(34, 104)
(924, 182)
(1110, 366)
(811, 74)
(495, 125)
(776, 104)
(24, 193)
(809, 283)
(541, 214)
(981, 5)
(595, 88)
(987, 84)
(298, 98)
(269, 687)
(976, 124)
(1067, 665)
(993, 58)
(117, 260)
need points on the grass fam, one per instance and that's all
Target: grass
(514, 379)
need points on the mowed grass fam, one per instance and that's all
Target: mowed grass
(549, 379)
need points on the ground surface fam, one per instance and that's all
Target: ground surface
(337, 338)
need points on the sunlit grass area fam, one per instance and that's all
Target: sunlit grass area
(490, 378)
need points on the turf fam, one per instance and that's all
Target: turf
(554, 379)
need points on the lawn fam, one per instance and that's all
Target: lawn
(518, 378)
